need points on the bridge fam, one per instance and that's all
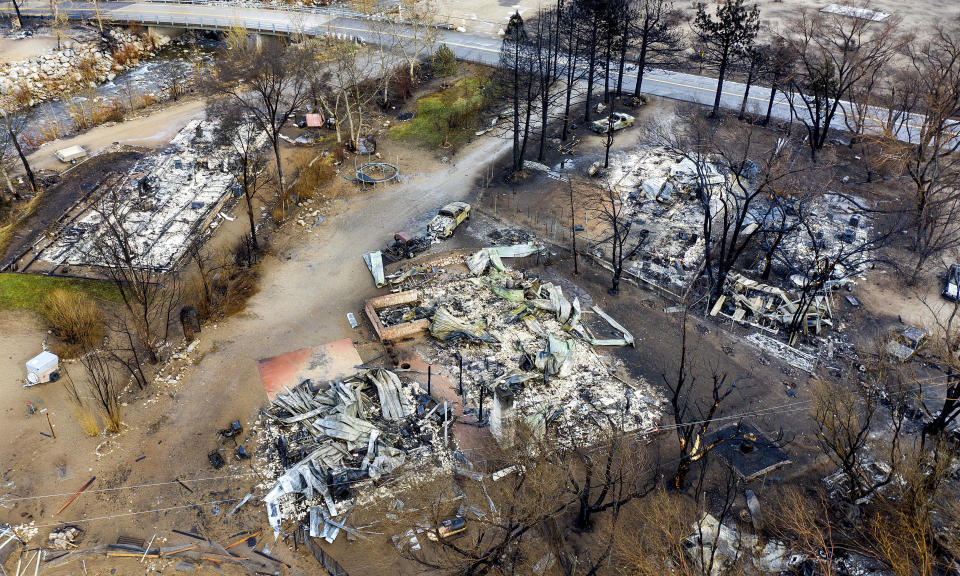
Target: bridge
(481, 49)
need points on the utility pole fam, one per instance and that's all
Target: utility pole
(573, 229)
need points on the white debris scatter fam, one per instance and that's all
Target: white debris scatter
(175, 195)
(26, 532)
(517, 332)
(657, 187)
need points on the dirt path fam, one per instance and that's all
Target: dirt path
(151, 131)
(25, 48)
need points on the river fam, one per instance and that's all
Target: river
(182, 63)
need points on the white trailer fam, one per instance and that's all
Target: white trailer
(42, 368)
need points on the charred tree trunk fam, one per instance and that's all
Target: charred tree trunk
(591, 69)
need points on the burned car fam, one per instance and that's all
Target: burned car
(447, 219)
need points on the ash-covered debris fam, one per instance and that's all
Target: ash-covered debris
(399, 314)
(522, 338)
(769, 307)
(404, 246)
(659, 188)
(509, 236)
(176, 194)
(327, 443)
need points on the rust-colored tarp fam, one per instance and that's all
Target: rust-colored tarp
(315, 120)
(333, 361)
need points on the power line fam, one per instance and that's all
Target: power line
(130, 487)
(125, 514)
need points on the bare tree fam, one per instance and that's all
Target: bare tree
(13, 126)
(692, 419)
(736, 205)
(922, 140)
(249, 165)
(269, 84)
(60, 20)
(345, 89)
(598, 15)
(778, 70)
(571, 39)
(657, 27)
(16, 19)
(415, 33)
(834, 53)
(825, 261)
(805, 521)
(725, 37)
(845, 419)
(608, 206)
(519, 83)
(146, 298)
(545, 46)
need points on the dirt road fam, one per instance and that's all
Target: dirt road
(151, 131)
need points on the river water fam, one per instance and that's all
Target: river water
(187, 62)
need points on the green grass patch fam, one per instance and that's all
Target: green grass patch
(26, 291)
(446, 118)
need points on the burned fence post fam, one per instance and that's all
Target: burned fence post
(460, 362)
(480, 404)
(429, 375)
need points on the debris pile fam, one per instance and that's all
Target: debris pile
(658, 188)
(524, 338)
(769, 308)
(716, 545)
(176, 195)
(400, 314)
(325, 442)
(65, 538)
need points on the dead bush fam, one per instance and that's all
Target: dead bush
(278, 214)
(81, 410)
(313, 171)
(223, 285)
(75, 319)
(23, 93)
(109, 112)
(125, 54)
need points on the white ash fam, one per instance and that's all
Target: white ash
(588, 391)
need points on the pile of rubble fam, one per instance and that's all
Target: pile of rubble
(176, 195)
(769, 308)
(657, 188)
(50, 75)
(327, 442)
(65, 538)
(521, 337)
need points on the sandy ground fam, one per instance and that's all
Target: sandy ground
(489, 16)
(151, 131)
(24, 48)
(916, 15)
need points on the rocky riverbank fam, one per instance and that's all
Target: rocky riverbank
(72, 67)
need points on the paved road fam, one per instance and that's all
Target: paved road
(470, 47)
